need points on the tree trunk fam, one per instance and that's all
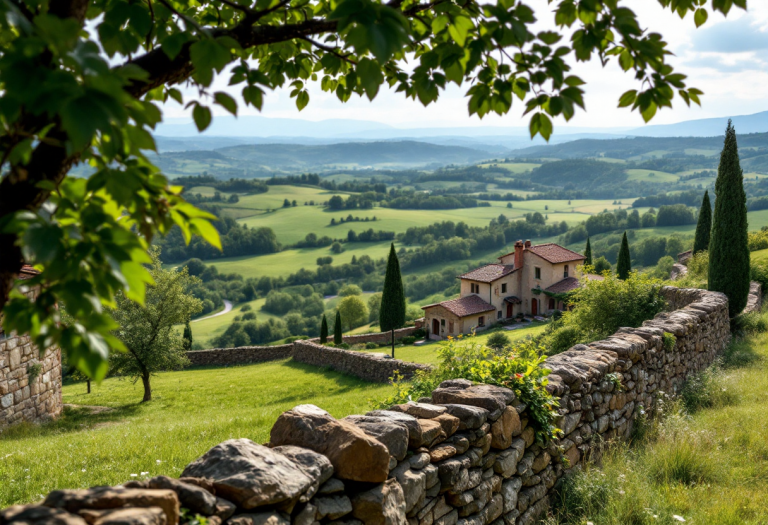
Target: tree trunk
(88, 382)
(147, 389)
(393, 343)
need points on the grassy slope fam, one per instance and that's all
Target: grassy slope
(206, 330)
(192, 411)
(722, 448)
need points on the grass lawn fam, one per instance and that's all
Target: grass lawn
(706, 465)
(192, 411)
(427, 353)
(208, 329)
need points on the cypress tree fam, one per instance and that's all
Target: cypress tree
(704, 226)
(624, 264)
(337, 340)
(588, 254)
(728, 247)
(187, 338)
(392, 310)
(324, 331)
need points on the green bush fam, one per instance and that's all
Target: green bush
(498, 341)
(371, 346)
(249, 316)
(343, 346)
(698, 272)
(759, 273)
(562, 338)
(518, 368)
(408, 340)
(419, 333)
(245, 308)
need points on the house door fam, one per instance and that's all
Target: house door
(435, 327)
(509, 310)
(535, 307)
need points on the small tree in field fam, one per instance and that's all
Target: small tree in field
(588, 254)
(624, 264)
(704, 226)
(337, 334)
(187, 336)
(497, 341)
(354, 311)
(324, 331)
(148, 332)
(392, 311)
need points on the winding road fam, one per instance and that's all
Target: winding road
(226, 310)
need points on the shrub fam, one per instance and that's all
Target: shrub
(518, 368)
(498, 341)
(371, 346)
(669, 341)
(249, 316)
(705, 390)
(759, 273)
(350, 289)
(419, 333)
(408, 340)
(752, 322)
(562, 338)
(343, 346)
(245, 308)
(698, 272)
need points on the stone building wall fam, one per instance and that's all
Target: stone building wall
(22, 399)
(464, 456)
(370, 367)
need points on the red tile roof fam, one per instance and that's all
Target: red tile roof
(555, 253)
(571, 283)
(464, 306)
(488, 273)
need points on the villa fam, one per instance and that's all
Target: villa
(528, 281)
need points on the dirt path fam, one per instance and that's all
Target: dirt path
(226, 310)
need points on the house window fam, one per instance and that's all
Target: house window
(481, 321)
(551, 304)
(472, 288)
(503, 287)
(565, 272)
(537, 273)
(442, 323)
(498, 314)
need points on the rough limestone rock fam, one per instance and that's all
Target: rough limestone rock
(354, 455)
(260, 518)
(333, 507)
(252, 475)
(190, 496)
(132, 516)
(469, 417)
(491, 398)
(315, 465)
(392, 434)
(450, 424)
(382, 505)
(505, 428)
(100, 498)
(37, 515)
(416, 437)
(420, 410)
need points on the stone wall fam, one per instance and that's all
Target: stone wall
(240, 355)
(464, 456)
(378, 337)
(22, 399)
(755, 300)
(370, 367)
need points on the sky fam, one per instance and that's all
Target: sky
(725, 58)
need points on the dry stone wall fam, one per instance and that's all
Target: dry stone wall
(378, 337)
(240, 355)
(368, 366)
(464, 456)
(21, 399)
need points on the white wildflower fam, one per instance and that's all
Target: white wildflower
(678, 518)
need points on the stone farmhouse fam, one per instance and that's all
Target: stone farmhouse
(526, 281)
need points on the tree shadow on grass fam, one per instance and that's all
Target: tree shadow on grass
(74, 418)
(740, 353)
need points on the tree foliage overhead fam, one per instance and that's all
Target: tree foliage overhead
(83, 81)
(729, 246)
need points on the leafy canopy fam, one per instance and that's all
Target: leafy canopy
(84, 82)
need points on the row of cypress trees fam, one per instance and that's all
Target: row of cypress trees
(337, 334)
(724, 235)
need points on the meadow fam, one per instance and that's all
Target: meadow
(191, 411)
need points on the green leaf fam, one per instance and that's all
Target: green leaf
(459, 29)
(208, 56)
(370, 76)
(700, 17)
(628, 98)
(302, 99)
(226, 101)
(202, 116)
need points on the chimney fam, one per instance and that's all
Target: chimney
(527, 244)
(519, 254)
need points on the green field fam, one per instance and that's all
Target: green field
(191, 411)
(651, 176)
(206, 330)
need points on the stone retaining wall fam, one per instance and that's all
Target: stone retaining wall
(22, 399)
(378, 337)
(755, 300)
(240, 355)
(367, 366)
(464, 456)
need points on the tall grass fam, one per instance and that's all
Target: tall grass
(705, 460)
